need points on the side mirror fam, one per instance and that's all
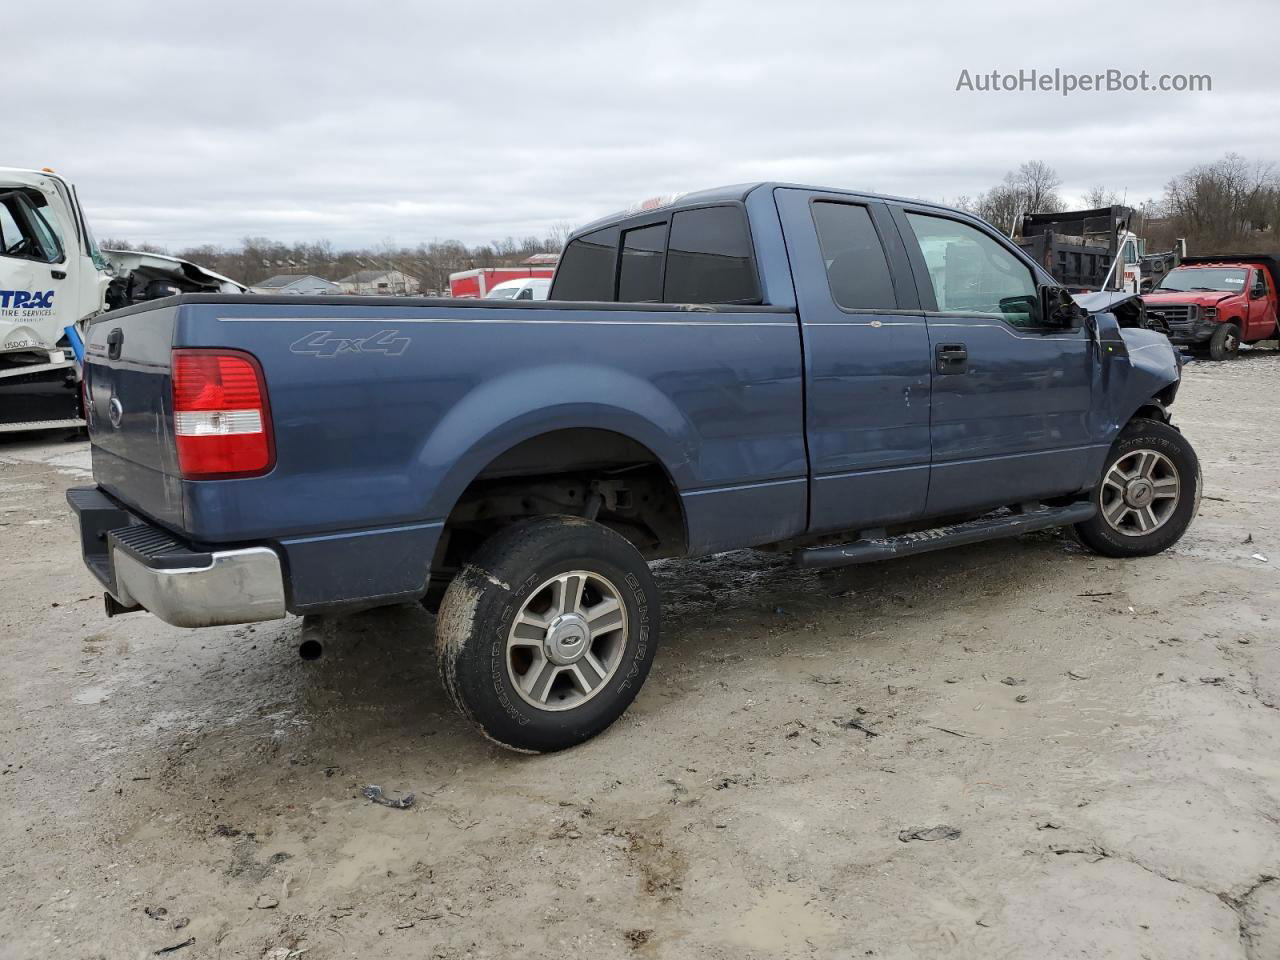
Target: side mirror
(1060, 309)
(1256, 294)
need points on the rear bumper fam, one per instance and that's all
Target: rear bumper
(144, 567)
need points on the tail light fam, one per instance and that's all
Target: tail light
(220, 416)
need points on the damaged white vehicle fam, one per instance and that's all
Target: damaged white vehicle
(53, 278)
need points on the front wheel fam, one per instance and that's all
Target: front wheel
(1225, 342)
(1149, 493)
(546, 635)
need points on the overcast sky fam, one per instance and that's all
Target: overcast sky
(184, 124)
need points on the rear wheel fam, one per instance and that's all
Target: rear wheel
(1148, 495)
(546, 635)
(1225, 342)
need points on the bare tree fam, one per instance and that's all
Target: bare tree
(1220, 205)
(1099, 196)
(1037, 183)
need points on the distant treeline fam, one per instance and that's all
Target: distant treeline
(1231, 205)
(257, 258)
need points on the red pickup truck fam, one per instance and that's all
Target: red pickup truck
(1218, 303)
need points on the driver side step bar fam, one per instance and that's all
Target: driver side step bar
(1007, 523)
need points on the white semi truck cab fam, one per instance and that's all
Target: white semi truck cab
(54, 277)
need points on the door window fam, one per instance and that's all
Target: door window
(1259, 283)
(857, 271)
(24, 232)
(969, 272)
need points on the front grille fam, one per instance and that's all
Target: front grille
(1172, 312)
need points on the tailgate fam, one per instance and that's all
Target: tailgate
(129, 400)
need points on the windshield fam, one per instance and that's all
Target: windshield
(1203, 278)
(502, 293)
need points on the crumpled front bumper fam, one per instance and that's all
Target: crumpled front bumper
(1198, 330)
(145, 567)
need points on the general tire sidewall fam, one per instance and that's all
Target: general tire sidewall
(481, 682)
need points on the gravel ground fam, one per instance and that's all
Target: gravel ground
(1104, 735)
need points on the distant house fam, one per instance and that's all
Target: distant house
(380, 283)
(301, 284)
(542, 260)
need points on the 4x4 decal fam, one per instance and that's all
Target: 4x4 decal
(322, 343)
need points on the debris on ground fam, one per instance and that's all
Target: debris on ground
(940, 832)
(1259, 557)
(638, 938)
(155, 913)
(265, 902)
(853, 723)
(1077, 676)
(177, 946)
(954, 733)
(1021, 698)
(1012, 682)
(1213, 681)
(374, 792)
(181, 922)
(1048, 825)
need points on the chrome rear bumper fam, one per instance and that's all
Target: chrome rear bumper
(145, 567)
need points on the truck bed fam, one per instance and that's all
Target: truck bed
(384, 409)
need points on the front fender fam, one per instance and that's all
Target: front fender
(517, 406)
(1137, 366)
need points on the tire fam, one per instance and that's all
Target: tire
(1129, 523)
(1225, 342)
(534, 671)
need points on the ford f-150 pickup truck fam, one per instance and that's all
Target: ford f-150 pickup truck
(840, 376)
(1214, 304)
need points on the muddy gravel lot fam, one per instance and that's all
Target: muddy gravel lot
(1104, 736)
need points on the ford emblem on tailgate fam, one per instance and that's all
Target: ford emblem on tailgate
(115, 411)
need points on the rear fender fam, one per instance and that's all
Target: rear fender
(521, 405)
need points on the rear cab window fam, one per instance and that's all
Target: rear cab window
(709, 258)
(699, 255)
(587, 267)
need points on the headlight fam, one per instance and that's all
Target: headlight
(1210, 313)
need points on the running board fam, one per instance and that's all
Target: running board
(938, 538)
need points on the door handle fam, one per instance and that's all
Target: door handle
(58, 274)
(115, 341)
(952, 358)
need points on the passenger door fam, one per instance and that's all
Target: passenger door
(1262, 308)
(866, 354)
(1011, 396)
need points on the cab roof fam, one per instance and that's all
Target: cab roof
(737, 193)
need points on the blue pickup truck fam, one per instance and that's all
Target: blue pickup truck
(840, 376)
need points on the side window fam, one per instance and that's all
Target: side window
(857, 271)
(1130, 252)
(1259, 283)
(525, 294)
(586, 268)
(640, 275)
(10, 232)
(971, 273)
(709, 258)
(24, 233)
